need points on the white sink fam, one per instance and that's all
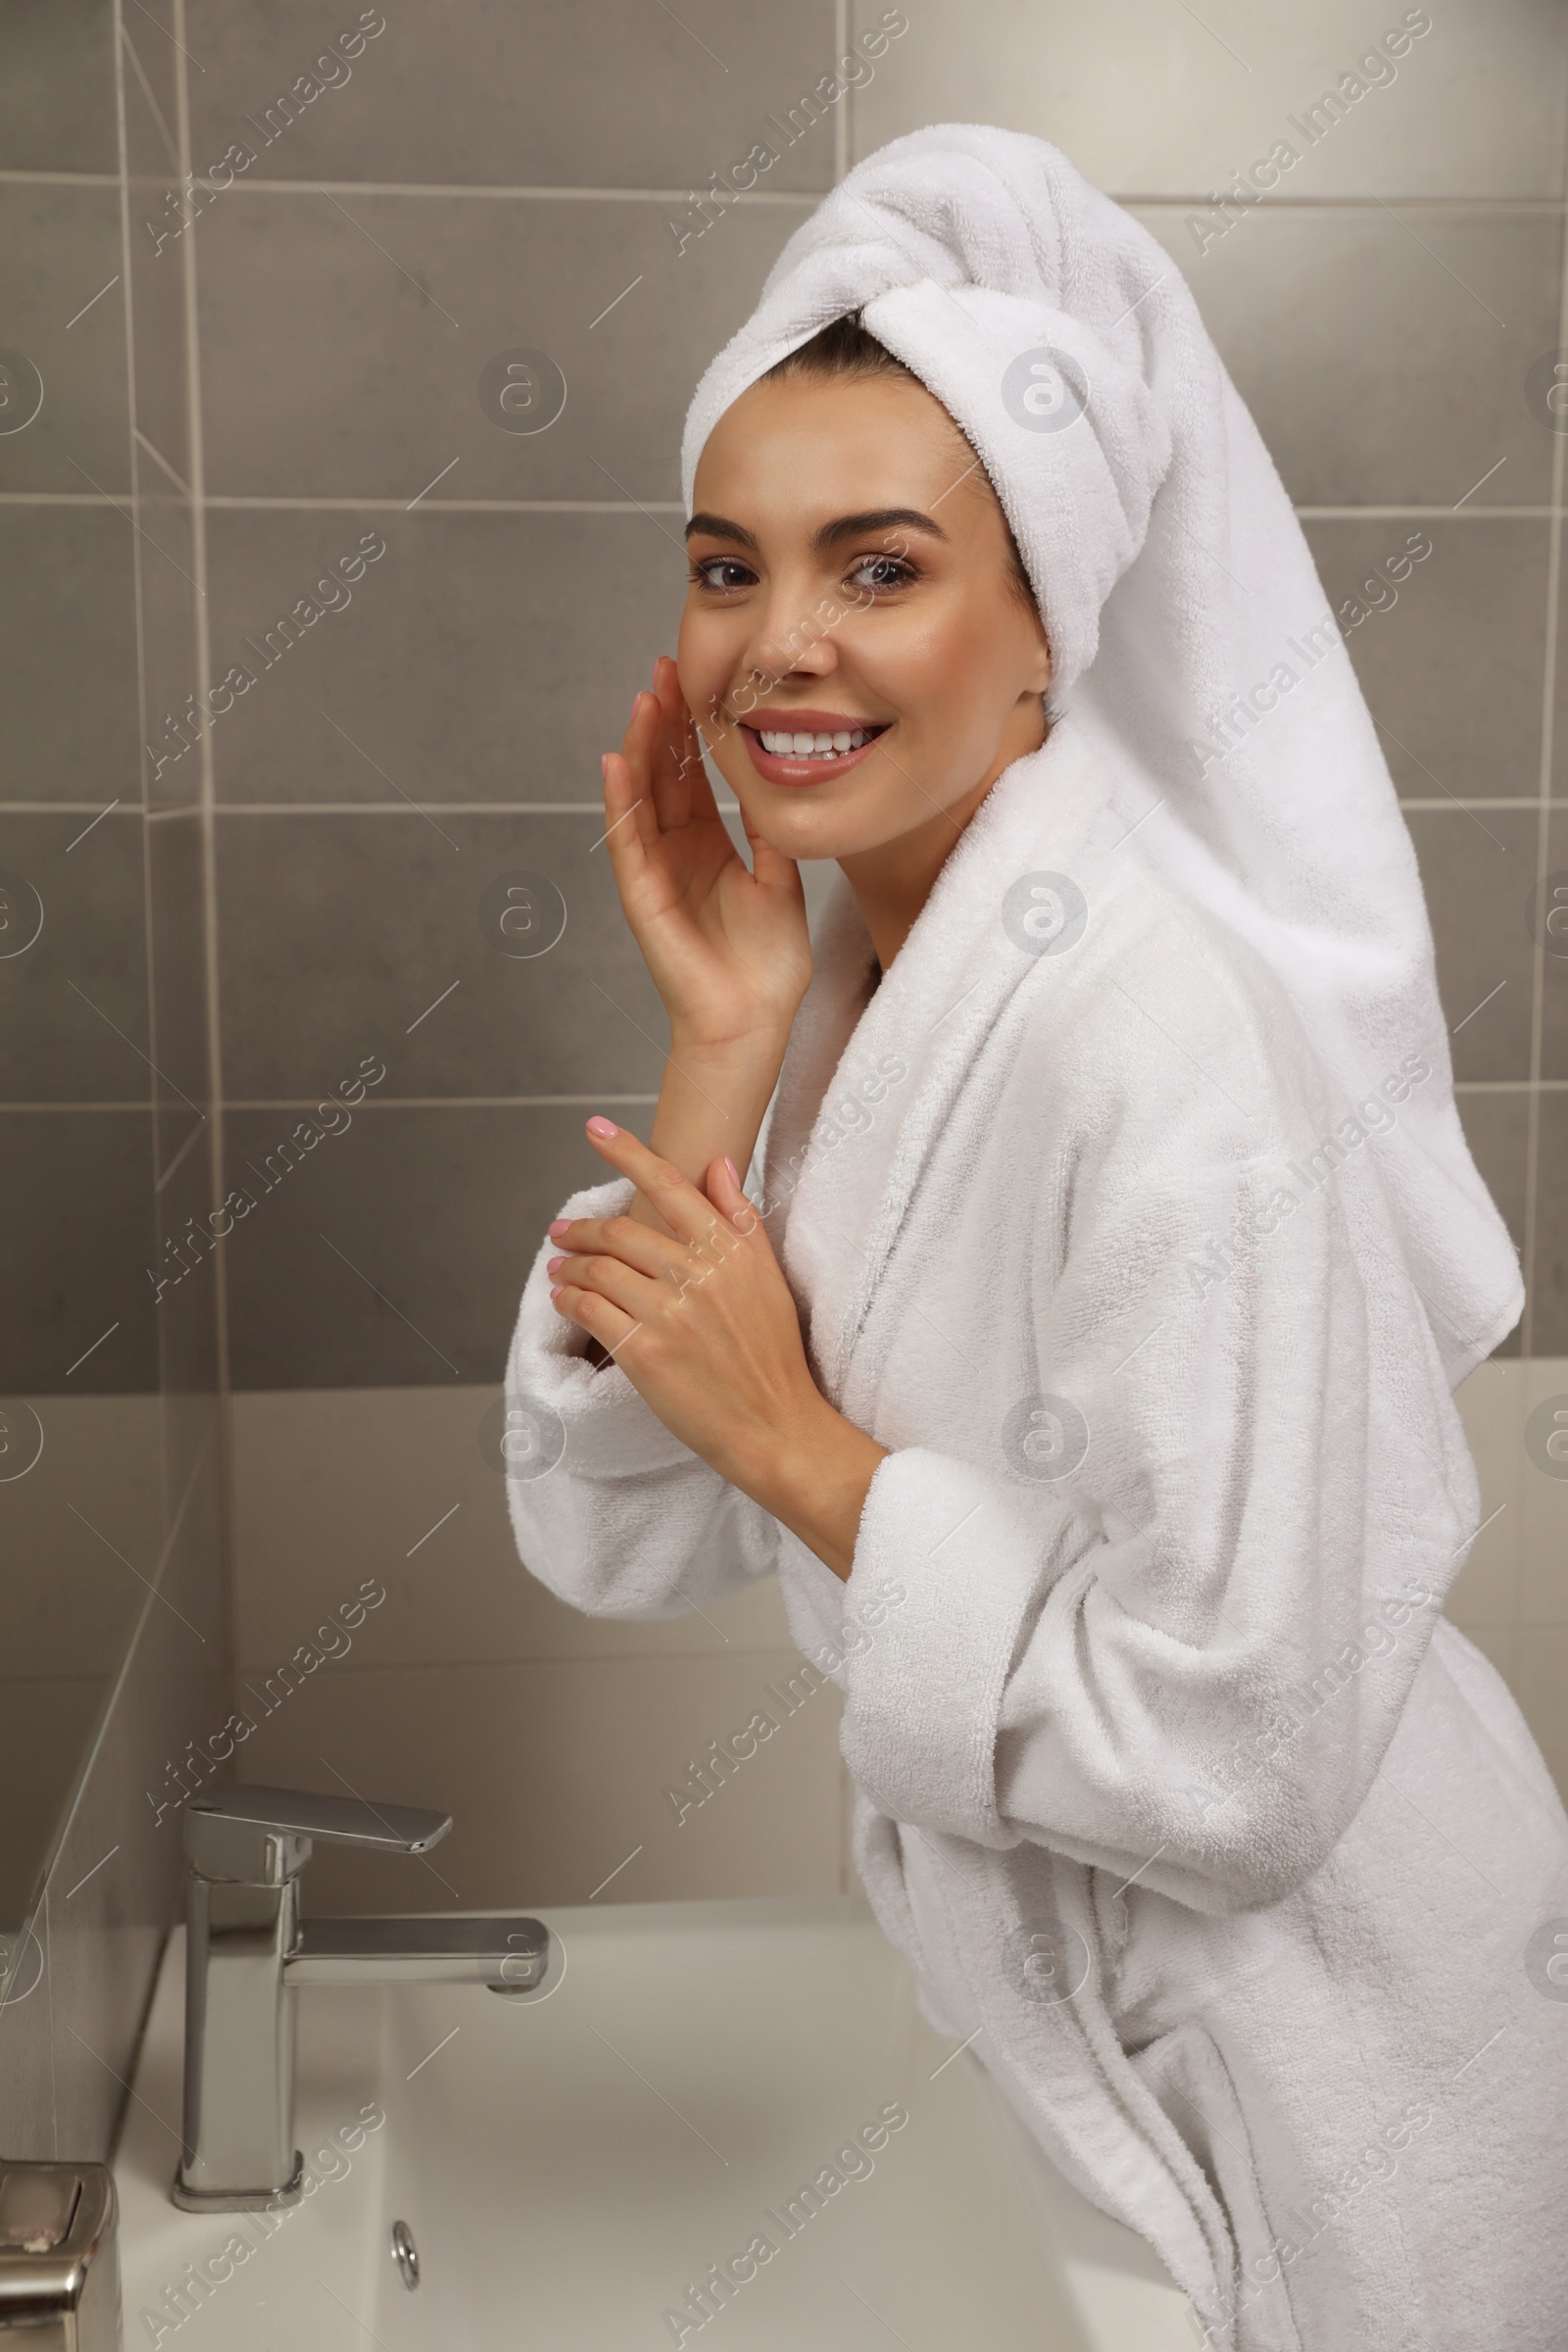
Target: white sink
(571, 2168)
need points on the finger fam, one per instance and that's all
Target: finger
(595, 1315)
(725, 1190)
(689, 1213)
(611, 1278)
(636, 1244)
(631, 820)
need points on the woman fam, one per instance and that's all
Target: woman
(1083, 1364)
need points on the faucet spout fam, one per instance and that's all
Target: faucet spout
(508, 1954)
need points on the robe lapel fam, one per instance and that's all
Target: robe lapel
(868, 1086)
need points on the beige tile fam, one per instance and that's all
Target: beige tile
(1542, 1496)
(1476, 107)
(1549, 1274)
(330, 369)
(1451, 657)
(1415, 394)
(620, 95)
(470, 630)
(335, 1486)
(556, 1776)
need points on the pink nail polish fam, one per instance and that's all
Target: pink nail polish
(603, 1128)
(559, 1229)
(554, 1292)
(555, 1265)
(635, 700)
(734, 1173)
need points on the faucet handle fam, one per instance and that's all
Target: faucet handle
(263, 1836)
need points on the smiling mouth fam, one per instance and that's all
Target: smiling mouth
(820, 746)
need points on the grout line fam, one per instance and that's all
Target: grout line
(377, 504)
(758, 199)
(1157, 200)
(171, 143)
(452, 1102)
(153, 450)
(206, 798)
(236, 1102)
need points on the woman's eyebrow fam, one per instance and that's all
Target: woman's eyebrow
(829, 534)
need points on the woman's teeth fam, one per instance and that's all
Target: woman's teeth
(814, 747)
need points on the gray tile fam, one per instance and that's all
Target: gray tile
(59, 248)
(177, 932)
(462, 670)
(156, 211)
(1497, 1128)
(57, 86)
(616, 96)
(343, 344)
(395, 1252)
(341, 935)
(1417, 391)
(1477, 870)
(1474, 107)
(74, 1001)
(75, 1250)
(1550, 1284)
(67, 655)
(180, 1282)
(170, 753)
(1451, 657)
(1550, 920)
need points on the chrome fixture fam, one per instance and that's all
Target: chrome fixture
(406, 2254)
(247, 1951)
(58, 2263)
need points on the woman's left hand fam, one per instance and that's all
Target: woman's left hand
(704, 1327)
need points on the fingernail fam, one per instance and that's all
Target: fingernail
(603, 763)
(554, 1292)
(555, 1265)
(635, 700)
(734, 1173)
(559, 1229)
(603, 1128)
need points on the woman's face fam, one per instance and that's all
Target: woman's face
(850, 571)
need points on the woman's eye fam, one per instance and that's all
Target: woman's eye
(888, 571)
(705, 570)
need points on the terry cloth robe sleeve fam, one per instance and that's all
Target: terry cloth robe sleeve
(1182, 1658)
(610, 1511)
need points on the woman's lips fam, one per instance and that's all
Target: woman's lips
(780, 768)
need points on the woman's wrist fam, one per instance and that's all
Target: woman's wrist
(813, 1476)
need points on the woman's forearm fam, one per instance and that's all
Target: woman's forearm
(710, 1106)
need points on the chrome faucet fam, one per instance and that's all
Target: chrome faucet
(247, 1951)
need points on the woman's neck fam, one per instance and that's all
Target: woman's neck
(892, 882)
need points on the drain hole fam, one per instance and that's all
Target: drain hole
(406, 2254)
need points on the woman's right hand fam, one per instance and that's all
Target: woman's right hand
(728, 947)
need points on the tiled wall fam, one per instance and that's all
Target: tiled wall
(116, 1644)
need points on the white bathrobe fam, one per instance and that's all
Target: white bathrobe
(1172, 1781)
